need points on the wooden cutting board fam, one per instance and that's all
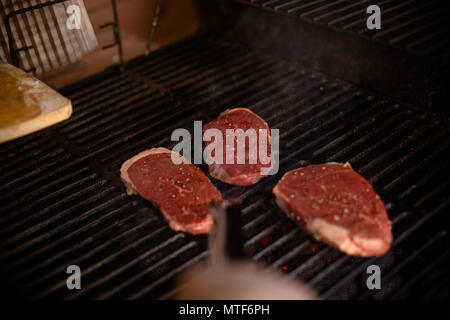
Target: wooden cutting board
(27, 104)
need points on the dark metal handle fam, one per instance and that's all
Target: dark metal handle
(116, 30)
(235, 243)
(110, 24)
(153, 26)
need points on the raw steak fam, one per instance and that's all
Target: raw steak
(182, 192)
(238, 174)
(337, 206)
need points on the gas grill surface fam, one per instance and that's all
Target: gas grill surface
(63, 202)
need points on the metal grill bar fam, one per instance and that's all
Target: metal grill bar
(106, 241)
(439, 284)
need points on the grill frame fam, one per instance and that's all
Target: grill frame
(65, 202)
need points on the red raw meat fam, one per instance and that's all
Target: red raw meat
(337, 206)
(238, 174)
(182, 192)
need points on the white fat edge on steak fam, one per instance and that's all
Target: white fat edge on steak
(131, 188)
(339, 237)
(216, 171)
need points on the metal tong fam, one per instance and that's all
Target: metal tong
(225, 240)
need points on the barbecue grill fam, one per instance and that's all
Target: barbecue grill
(335, 90)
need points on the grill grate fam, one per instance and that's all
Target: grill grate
(64, 202)
(415, 26)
